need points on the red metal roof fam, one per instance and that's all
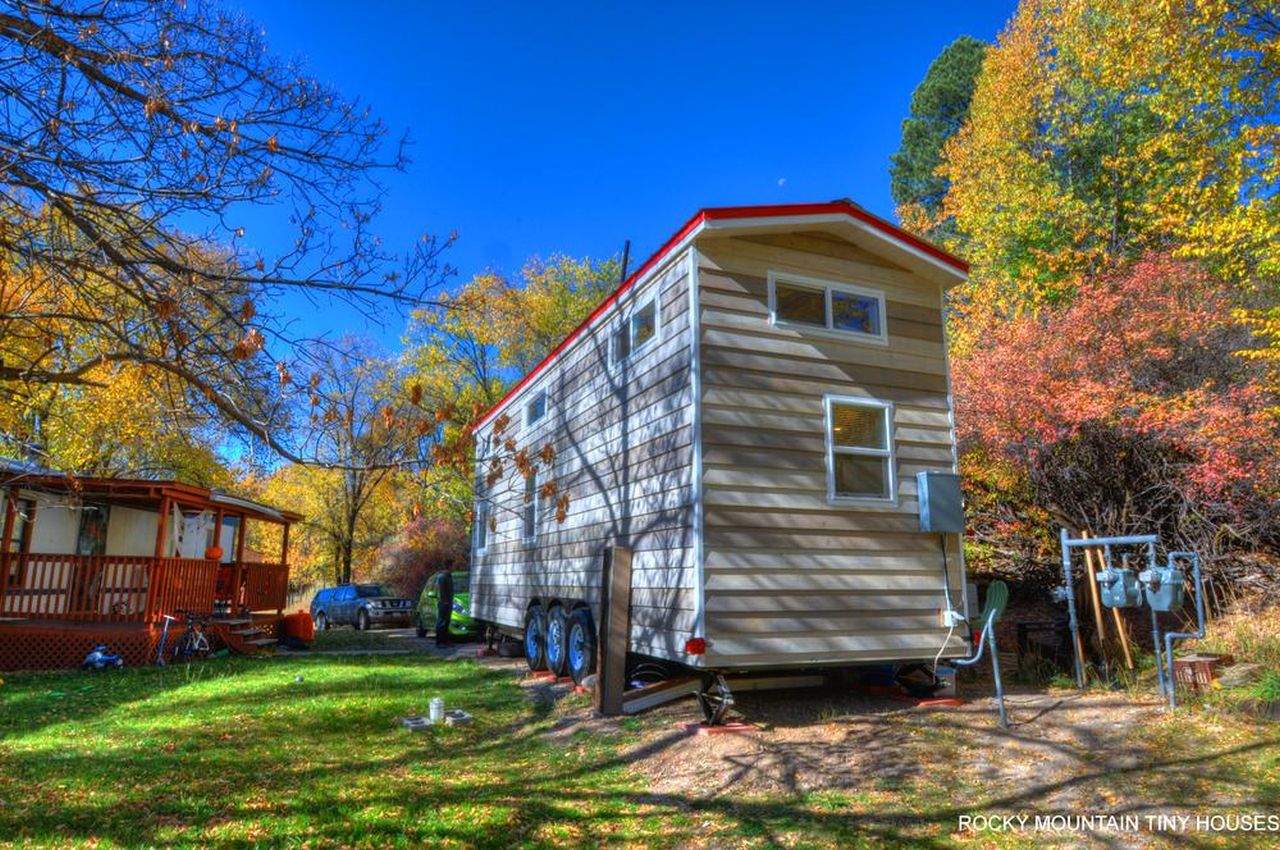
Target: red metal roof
(708, 214)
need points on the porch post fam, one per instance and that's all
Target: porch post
(217, 530)
(10, 517)
(155, 580)
(162, 526)
(240, 532)
(216, 543)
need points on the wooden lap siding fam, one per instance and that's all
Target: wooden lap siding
(790, 577)
(623, 443)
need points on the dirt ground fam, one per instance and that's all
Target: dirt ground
(850, 755)
(1064, 754)
(807, 741)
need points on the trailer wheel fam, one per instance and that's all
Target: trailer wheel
(535, 634)
(581, 645)
(557, 640)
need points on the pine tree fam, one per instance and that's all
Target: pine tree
(939, 108)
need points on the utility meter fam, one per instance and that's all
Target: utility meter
(1162, 587)
(1119, 588)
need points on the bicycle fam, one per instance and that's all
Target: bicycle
(194, 642)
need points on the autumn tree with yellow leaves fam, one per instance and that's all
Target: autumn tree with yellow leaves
(1116, 180)
(1102, 130)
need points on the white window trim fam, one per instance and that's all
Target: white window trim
(886, 407)
(827, 286)
(536, 505)
(624, 322)
(528, 408)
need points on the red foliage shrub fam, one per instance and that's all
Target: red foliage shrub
(1128, 409)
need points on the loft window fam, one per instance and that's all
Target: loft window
(859, 449)
(530, 516)
(536, 409)
(639, 329)
(837, 307)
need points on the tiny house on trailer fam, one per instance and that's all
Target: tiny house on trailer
(747, 415)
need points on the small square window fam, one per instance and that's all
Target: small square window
(644, 325)
(636, 331)
(853, 312)
(535, 409)
(857, 426)
(861, 477)
(800, 304)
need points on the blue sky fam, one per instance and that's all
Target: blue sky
(570, 128)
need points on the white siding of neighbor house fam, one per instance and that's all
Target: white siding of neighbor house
(56, 528)
(131, 531)
(622, 437)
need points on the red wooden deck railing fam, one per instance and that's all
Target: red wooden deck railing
(181, 584)
(103, 588)
(266, 586)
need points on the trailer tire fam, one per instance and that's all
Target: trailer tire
(557, 640)
(535, 638)
(581, 645)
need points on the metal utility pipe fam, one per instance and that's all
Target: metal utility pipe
(1200, 627)
(1155, 647)
(989, 631)
(1155, 630)
(1131, 540)
(1071, 609)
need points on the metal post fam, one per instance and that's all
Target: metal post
(988, 633)
(1155, 628)
(995, 669)
(1198, 587)
(1155, 647)
(1071, 610)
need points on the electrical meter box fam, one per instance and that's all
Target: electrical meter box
(941, 506)
(1119, 588)
(1163, 588)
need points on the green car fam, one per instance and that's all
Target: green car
(460, 624)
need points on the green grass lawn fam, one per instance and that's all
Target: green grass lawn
(347, 639)
(238, 753)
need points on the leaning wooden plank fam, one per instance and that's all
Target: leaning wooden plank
(651, 696)
(615, 610)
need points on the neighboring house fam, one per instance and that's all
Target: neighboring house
(747, 414)
(89, 560)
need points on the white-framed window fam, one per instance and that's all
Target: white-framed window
(860, 463)
(536, 408)
(483, 514)
(529, 516)
(831, 306)
(634, 333)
